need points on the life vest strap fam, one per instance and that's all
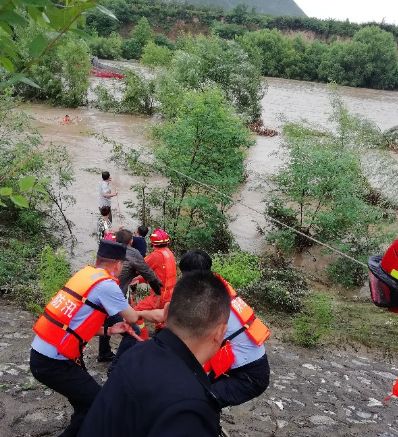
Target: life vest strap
(84, 300)
(66, 328)
(239, 331)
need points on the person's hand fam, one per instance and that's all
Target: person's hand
(121, 328)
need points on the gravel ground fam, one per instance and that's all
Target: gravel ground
(311, 393)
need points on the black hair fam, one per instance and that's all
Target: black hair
(200, 302)
(195, 260)
(105, 175)
(142, 230)
(123, 236)
(105, 210)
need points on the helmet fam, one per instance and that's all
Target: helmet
(159, 237)
(383, 277)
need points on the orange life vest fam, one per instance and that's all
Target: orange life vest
(255, 329)
(53, 324)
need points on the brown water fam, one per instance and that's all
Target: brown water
(285, 99)
(294, 101)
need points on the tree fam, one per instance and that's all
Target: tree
(54, 21)
(154, 55)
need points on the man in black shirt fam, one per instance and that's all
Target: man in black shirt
(159, 387)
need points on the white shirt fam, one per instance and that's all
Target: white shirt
(104, 188)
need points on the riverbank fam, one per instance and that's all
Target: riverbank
(311, 392)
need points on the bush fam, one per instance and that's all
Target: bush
(315, 321)
(107, 47)
(241, 269)
(131, 49)
(138, 95)
(105, 101)
(279, 287)
(154, 55)
(54, 271)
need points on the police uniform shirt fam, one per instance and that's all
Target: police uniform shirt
(157, 389)
(106, 294)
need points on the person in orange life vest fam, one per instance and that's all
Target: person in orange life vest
(240, 371)
(161, 260)
(72, 317)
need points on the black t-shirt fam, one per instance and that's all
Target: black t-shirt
(157, 389)
(139, 243)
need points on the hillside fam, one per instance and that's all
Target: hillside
(269, 7)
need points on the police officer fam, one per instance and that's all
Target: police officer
(240, 370)
(72, 317)
(159, 387)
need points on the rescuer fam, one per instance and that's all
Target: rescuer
(239, 370)
(71, 319)
(161, 260)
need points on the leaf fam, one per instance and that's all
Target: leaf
(12, 17)
(37, 46)
(7, 64)
(27, 183)
(5, 191)
(107, 12)
(28, 81)
(19, 200)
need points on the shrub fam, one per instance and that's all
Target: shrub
(54, 271)
(241, 269)
(279, 287)
(131, 49)
(138, 95)
(105, 101)
(315, 321)
(107, 47)
(154, 55)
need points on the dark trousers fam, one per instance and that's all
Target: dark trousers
(104, 346)
(127, 342)
(242, 384)
(70, 380)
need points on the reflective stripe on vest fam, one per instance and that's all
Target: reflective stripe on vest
(53, 326)
(256, 330)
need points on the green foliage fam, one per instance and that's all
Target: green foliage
(241, 269)
(53, 22)
(154, 55)
(138, 95)
(227, 30)
(107, 47)
(54, 271)
(131, 49)
(105, 101)
(358, 62)
(142, 32)
(315, 321)
(279, 287)
(203, 60)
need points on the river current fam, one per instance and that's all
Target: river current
(284, 100)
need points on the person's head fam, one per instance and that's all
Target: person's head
(110, 256)
(195, 260)
(105, 211)
(159, 238)
(124, 237)
(106, 176)
(142, 231)
(198, 313)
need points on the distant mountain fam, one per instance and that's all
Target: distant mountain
(270, 7)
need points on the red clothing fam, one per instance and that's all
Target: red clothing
(163, 263)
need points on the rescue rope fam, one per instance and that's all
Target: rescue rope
(272, 219)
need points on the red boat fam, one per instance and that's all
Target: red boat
(107, 74)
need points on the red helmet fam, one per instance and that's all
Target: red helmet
(159, 236)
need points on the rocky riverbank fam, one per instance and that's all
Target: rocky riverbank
(311, 393)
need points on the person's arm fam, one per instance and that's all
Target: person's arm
(155, 316)
(109, 195)
(147, 274)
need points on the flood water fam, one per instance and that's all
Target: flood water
(285, 99)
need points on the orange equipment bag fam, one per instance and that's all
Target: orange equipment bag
(222, 361)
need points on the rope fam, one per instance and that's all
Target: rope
(274, 220)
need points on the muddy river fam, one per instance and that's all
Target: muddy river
(284, 100)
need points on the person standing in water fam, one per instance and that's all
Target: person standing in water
(105, 193)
